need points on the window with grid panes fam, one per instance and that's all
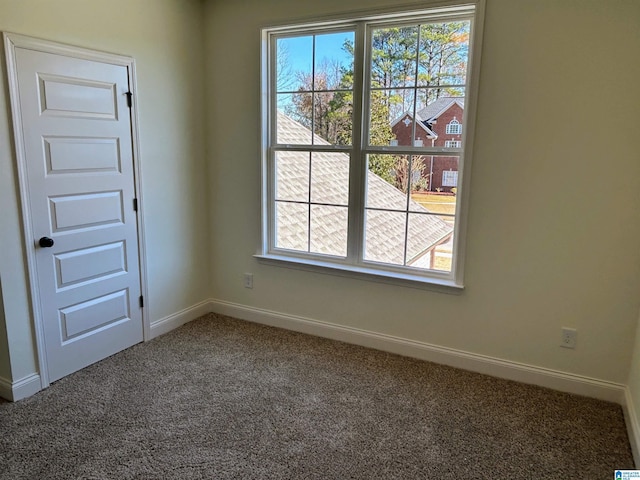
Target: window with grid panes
(342, 189)
(449, 178)
(454, 127)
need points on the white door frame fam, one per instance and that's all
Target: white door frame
(11, 42)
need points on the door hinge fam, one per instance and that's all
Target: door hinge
(129, 99)
(135, 204)
(141, 300)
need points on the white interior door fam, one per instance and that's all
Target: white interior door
(77, 143)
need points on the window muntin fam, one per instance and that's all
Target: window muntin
(404, 228)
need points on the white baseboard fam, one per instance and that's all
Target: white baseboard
(633, 427)
(27, 386)
(178, 319)
(23, 388)
(554, 379)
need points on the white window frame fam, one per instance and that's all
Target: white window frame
(454, 127)
(452, 144)
(354, 265)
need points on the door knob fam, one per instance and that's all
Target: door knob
(46, 242)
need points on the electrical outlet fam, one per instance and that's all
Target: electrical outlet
(248, 280)
(569, 337)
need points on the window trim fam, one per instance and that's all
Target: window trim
(367, 270)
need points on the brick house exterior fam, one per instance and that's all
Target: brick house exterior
(439, 125)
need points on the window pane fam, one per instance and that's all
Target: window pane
(437, 188)
(387, 110)
(442, 116)
(292, 176)
(419, 173)
(294, 119)
(334, 61)
(386, 181)
(292, 226)
(329, 230)
(429, 242)
(330, 178)
(294, 58)
(332, 122)
(403, 127)
(444, 51)
(399, 101)
(393, 57)
(385, 236)
(433, 202)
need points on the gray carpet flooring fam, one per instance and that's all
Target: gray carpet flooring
(220, 398)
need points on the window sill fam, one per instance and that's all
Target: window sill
(363, 273)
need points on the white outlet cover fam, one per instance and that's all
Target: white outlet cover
(569, 337)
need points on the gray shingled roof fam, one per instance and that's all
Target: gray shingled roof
(330, 185)
(433, 109)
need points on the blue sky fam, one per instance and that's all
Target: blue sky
(299, 50)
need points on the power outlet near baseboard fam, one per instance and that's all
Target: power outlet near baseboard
(569, 337)
(248, 280)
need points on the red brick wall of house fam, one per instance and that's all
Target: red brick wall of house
(403, 132)
(440, 164)
(440, 126)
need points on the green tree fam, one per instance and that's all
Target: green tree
(442, 61)
(380, 133)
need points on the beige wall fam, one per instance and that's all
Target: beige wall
(554, 228)
(165, 38)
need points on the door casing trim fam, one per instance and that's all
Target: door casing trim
(11, 42)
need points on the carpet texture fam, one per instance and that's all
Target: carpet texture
(221, 398)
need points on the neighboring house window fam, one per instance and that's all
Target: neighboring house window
(449, 178)
(339, 191)
(454, 127)
(453, 144)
